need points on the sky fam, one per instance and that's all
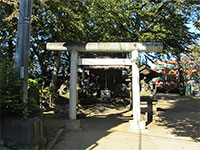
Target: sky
(193, 29)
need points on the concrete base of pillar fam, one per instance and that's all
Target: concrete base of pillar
(73, 125)
(136, 126)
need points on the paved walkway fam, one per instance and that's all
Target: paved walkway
(111, 132)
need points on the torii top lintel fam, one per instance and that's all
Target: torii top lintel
(107, 46)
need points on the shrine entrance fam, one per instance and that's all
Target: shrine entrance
(107, 47)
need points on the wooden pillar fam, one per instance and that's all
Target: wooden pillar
(136, 123)
(73, 85)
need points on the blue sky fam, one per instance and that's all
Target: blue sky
(192, 28)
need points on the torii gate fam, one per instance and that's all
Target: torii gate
(133, 47)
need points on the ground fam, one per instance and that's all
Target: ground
(176, 126)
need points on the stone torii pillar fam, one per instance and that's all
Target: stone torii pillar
(133, 47)
(72, 86)
(136, 123)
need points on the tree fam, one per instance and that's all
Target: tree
(192, 63)
(102, 20)
(8, 27)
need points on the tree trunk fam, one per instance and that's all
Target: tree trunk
(181, 78)
(53, 84)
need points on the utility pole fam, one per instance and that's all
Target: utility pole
(23, 46)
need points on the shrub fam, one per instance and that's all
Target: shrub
(10, 103)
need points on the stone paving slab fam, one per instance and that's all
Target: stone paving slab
(174, 128)
(111, 133)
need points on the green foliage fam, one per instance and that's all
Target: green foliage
(102, 20)
(10, 103)
(31, 108)
(39, 93)
(34, 83)
(45, 93)
(196, 51)
(98, 20)
(8, 83)
(8, 26)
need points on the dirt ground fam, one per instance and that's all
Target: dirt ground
(53, 125)
(178, 115)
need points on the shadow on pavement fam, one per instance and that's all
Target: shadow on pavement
(183, 117)
(93, 130)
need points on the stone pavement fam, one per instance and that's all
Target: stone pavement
(111, 132)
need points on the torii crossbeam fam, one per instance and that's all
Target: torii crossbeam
(133, 47)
